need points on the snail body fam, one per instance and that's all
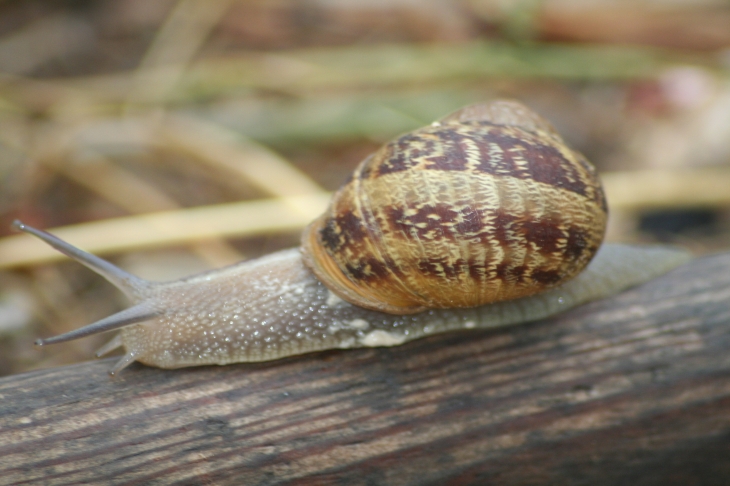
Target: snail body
(480, 220)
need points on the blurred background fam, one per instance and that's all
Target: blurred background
(175, 136)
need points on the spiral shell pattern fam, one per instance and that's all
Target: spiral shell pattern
(466, 211)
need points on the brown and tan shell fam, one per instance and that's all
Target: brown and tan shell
(487, 204)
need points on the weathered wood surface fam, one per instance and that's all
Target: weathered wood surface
(630, 390)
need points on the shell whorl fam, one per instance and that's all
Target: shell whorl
(486, 205)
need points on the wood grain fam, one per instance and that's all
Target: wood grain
(630, 390)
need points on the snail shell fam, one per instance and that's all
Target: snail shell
(485, 205)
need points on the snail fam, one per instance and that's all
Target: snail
(484, 218)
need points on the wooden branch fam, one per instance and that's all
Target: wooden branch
(630, 390)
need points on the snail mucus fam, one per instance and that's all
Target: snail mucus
(484, 218)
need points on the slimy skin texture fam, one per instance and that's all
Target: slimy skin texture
(285, 311)
(274, 307)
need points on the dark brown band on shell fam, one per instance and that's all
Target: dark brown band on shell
(458, 214)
